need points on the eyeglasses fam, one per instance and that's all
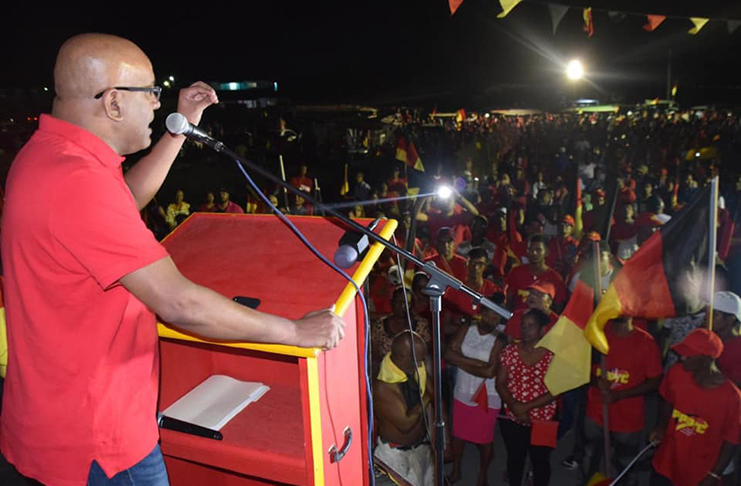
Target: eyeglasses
(154, 90)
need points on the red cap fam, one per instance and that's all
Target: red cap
(545, 287)
(568, 219)
(592, 236)
(700, 342)
(599, 193)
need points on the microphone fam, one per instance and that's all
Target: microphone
(352, 246)
(177, 124)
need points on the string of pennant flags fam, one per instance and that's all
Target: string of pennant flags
(558, 11)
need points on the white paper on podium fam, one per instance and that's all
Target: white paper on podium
(216, 401)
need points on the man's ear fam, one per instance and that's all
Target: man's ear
(113, 106)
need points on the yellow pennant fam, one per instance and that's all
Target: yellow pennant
(699, 24)
(507, 6)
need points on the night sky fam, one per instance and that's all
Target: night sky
(401, 52)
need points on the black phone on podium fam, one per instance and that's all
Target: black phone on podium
(247, 301)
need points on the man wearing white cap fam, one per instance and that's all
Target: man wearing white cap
(726, 320)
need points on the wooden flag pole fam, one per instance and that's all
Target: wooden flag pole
(283, 176)
(596, 253)
(712, 245)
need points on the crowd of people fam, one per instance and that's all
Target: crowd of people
(511, 234)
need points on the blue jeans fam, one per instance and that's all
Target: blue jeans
(150, 471)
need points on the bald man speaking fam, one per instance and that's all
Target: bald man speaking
(85, 277)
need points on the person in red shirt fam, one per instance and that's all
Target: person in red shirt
(461, 303)
(505, 239)
(85, 277)
(562, 249)
(540, 296)
(700, 420)
(726, 320)
(446, 259)
(633, 371)
(302, 181)
(225, 205)
(451, 215)
(397, 183)
(520, 278)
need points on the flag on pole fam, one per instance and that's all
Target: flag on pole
(653, 22)
(507, 6)
(661, 278)
(578, 212)
(406, 152)
(588, 24)
(557, 13)
(699, 24)
(572, 353)
(454, 4)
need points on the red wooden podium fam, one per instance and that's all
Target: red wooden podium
(315, 397)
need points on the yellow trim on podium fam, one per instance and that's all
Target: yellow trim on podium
(315, 418)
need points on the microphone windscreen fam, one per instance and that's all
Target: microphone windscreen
(176, 123)
(345, 256)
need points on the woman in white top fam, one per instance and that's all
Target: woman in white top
(475, 351)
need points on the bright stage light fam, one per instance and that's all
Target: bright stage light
(444, 192)
(574, 70)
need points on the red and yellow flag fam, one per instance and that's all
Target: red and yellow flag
(572, 353)
(406, 152)
(660, 279)
(588, 24)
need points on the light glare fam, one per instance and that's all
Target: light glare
(444, 192)
(574, 70)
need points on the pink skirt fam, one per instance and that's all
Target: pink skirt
(473, 424)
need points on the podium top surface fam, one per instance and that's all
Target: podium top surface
(258, 256)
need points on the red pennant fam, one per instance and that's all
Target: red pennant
(653, 22)
(481, 398)
(454, 4)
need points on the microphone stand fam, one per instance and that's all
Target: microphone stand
(439, 282)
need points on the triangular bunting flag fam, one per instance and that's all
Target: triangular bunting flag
(507, 6)
(454, 4)
(557, 13)
(733, 25)
(699, 24)
(588, 25)
(653, 22)
(616, 16)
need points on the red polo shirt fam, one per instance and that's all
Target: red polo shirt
(83, 359)
(701, 419)
(632, 360)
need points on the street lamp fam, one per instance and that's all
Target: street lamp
(575, 70)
